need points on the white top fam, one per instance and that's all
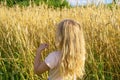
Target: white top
(52, 61)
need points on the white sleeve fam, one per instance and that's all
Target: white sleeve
(51, 60)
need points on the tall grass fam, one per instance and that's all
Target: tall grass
(23, 29)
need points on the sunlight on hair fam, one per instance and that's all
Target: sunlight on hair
(70, 39)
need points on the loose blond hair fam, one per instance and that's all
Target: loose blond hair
(70, 40)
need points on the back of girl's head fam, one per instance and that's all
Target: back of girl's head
(70, 40)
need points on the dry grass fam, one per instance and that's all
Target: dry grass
(23, 29)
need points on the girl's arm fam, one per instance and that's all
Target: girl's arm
(39, 65)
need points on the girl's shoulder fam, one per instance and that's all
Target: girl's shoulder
(53, 59)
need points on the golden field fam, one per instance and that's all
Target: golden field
(23, 29)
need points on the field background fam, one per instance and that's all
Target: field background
(22, 29)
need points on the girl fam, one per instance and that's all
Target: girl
(68, 62)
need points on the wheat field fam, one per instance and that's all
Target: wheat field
(23, 29)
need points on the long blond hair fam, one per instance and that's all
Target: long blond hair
(70, 39)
